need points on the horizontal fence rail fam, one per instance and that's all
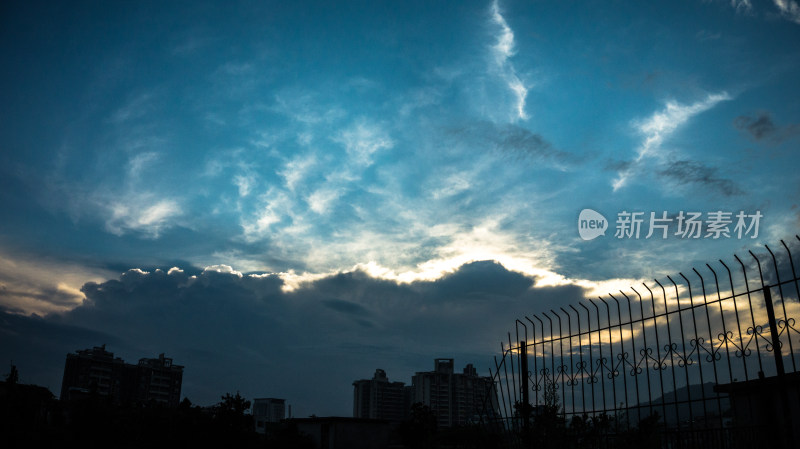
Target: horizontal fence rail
(708, 358)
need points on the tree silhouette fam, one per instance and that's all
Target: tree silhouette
(420, 429)
(231, 420)
(234, 404)
(13, 376)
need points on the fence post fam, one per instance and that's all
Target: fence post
(786, 435)
(523, 354)
(523, 377)
(773, 330)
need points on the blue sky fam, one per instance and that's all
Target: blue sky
(369, 184)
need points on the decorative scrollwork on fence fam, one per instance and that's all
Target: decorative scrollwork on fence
(740, 351)
(623, 361)
(758, 332)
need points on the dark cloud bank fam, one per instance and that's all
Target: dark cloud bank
(245, 333)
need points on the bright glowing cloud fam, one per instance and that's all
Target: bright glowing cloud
(36, 285)
(226, 269)
(144, 213)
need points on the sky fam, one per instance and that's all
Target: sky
(285, 197)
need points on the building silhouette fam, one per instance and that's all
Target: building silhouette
(97, 372)
(455, 398)
(158, 380)
(268, 410)
(377, 398)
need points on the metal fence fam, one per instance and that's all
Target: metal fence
(705, 358)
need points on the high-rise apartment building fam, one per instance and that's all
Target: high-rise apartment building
(377, 398)
(93, 371)
(158, 380)
(455, 398)
(96, 371)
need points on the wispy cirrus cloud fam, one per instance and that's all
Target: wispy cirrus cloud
(789, 9)
(503, 50)
(297, 168)
(131, 203)
(139, 162)
(321, 200)
(136, 107)
(660, 126)
(741, 5)
(362, 141)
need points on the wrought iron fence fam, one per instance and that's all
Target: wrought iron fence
(705, 358)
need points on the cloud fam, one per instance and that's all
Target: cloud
(33, 284)
(761, 127)
(789, 9)
(245, 183)
(503, 50)
(138, 163)
(362, 140)
(321, 201)
(312, 183)
(274, 207)
(452, 184)
(243, 331)
(482, 278)
(510, 139)
(135, 108)
(660, 126)
(741, 5)
(706, 35)
(306, 108)
(345, 307)
(226, 269)
(297, 168)
(145, 214)
(683, 172)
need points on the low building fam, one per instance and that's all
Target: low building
(268, 410)
(771, 403)
(345, 433)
